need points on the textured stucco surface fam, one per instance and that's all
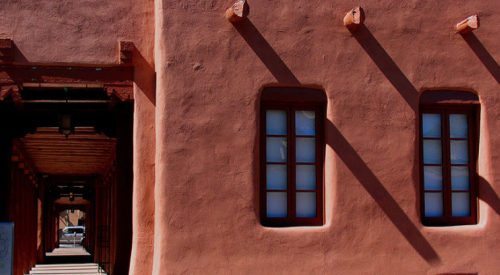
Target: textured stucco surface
(207, 145)
(88, 32)
(196, 151)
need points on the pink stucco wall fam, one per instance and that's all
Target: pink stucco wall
(196, 150)
(88, 32)
(207, 160)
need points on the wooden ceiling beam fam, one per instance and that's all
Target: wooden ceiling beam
(53, 154)
(118, 77)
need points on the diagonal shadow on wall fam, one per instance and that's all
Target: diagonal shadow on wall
(386, 65)
(379, 193)
(486, 191)
(145, 76)
(488, 195)
(482, 53)
(265, 52)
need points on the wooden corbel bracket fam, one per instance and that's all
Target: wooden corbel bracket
(124, 93)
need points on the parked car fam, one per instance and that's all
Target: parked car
(72, 235)
(4, 243)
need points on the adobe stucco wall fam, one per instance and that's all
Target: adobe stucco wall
(88, 32)
(209, 77)
(201, 128)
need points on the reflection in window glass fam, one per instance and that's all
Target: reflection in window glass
(459, 178)
(276, 177)
(305, 177)
(458, 126)
(306, 205)
(460, 204)
(276, 149)
(432, 152)
(431, 125)
(305, 150)
(305, 123)
(276, 204)
(459, 152)
(433, 178)
(434, 205)
(276, 122)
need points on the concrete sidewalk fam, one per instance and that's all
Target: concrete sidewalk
(68, 251)
(68, 269)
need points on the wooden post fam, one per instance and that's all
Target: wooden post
(6, 147)
(121, 202)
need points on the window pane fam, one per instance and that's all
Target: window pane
(305, 150)
(276, 204)
(433, 204)
(459, 178)
(305, 123)
(305, 177)
(459, 126)
(431, 125)
(459, 152)
(432, 152)
(306, 205)
(460, 205)
(276, 149)
(276, 177)
(276, 122)
(433, 178)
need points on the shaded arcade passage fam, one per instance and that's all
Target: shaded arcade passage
(88, 171)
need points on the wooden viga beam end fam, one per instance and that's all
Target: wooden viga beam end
(354, 18)
(468, 25)
(238, 11)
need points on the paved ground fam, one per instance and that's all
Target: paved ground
(68, 254)
(70, 245)
(69, 251)
(67, 269)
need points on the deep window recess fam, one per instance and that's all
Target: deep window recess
(291, 163)
(448, 164)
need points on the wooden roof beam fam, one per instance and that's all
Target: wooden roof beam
(76, 75)
(126, 52)
(238, 11)
(469, 24)
(123, 93)
(354, 18)
(16, 97)
(6, 52)
(6, 90)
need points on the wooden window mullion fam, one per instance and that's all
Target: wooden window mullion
(446, 112)
(292, 164)
(471, 120)
(319, 164)
(446, 165)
